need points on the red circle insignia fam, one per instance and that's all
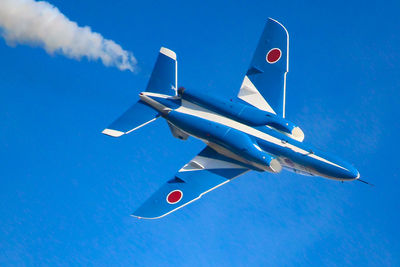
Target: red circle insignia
(273, 55)
(174, 196)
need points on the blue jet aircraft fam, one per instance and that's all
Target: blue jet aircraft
(249, 132)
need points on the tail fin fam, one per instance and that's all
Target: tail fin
(164, 77)
(163, 80)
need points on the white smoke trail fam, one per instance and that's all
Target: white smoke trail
(39, 23)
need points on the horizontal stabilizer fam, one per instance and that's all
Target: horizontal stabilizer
(135, 117)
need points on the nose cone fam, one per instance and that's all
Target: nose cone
(335, 168)
(347, 171)
(352, 173)
(340, 170)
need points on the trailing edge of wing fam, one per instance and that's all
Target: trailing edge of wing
(207, 171)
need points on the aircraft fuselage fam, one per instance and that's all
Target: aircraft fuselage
(263, 143)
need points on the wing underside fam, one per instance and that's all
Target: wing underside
(207, 171)
(264, 85)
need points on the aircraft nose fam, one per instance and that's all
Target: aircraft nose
(352, 173)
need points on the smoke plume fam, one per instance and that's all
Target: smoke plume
(38, 23)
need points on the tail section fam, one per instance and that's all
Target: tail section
(135, 117)
(163, 81)
(164, 77)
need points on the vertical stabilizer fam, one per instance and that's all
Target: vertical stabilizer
(164, 77)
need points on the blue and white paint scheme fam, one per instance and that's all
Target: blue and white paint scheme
(249, 132)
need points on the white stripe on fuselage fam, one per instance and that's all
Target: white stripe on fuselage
(195, 110)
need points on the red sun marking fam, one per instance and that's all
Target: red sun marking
(273, 55)
(174, 196)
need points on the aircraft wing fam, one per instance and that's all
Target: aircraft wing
(264, 85)
(207, 171)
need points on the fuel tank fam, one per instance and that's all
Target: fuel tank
(228, 141)
(244, 113)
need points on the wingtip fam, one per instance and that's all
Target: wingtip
(146, 218)
(168, 52)
(113, 133)
(276, 21)
(135, 216)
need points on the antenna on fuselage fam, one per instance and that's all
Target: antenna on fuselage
(365, 182)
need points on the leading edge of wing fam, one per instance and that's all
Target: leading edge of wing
(204, 173)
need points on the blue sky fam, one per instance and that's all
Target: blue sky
(66, 190)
